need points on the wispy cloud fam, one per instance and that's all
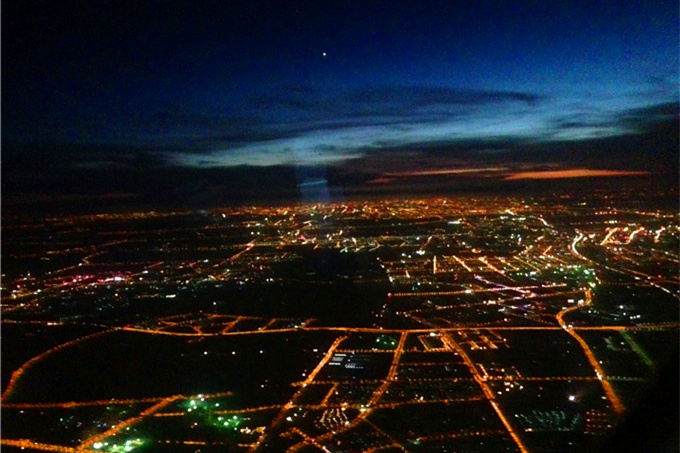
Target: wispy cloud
(311, 126)
(307, 126)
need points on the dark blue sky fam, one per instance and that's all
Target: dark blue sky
(441, 85)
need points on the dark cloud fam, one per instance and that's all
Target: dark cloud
(37, 173)
(648, 118)
(651, 145)
(311, 120)
(424, 96)
(387, 104)
(275, 120)
(308, 120)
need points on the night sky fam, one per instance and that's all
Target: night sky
(219, 101)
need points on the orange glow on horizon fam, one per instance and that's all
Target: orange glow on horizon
(389, 177)
(444, 171)
(575, 173)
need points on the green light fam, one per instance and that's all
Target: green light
(127, 447)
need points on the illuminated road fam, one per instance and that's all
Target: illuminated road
(485, 388)
(73, 404)
(87, 443)
(608, 390)
(655, 326)
(25, 443)
(390, 375)
(395, 443)
(310, 378)
(17, 374)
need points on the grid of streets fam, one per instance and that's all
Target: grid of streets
(475, 324)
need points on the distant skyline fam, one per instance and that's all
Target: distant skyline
(352, 89)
